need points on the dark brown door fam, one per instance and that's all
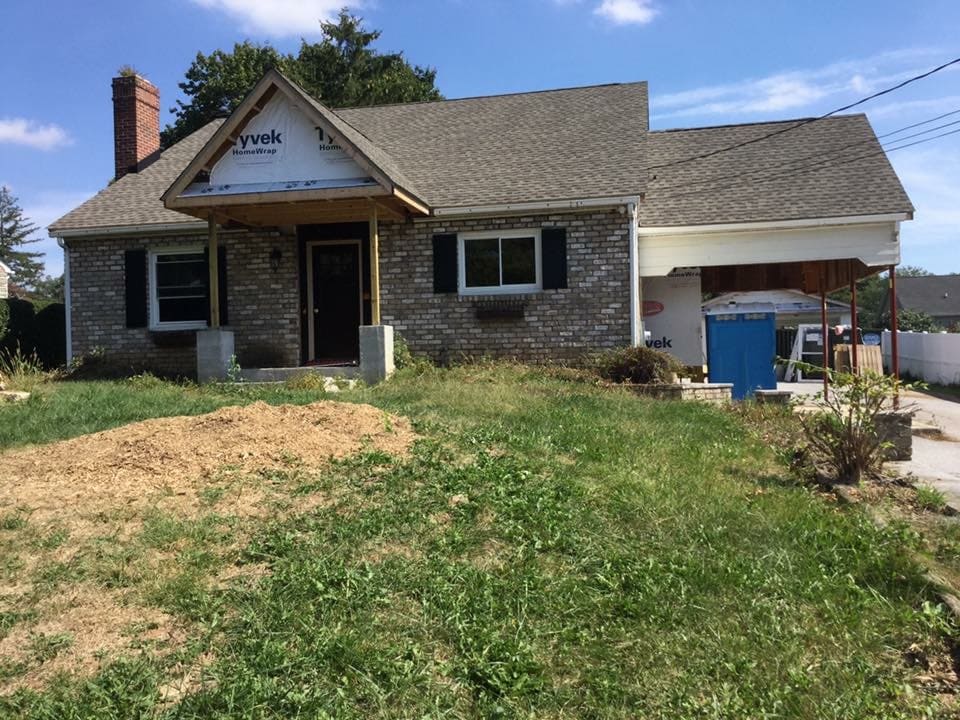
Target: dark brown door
(336, 303)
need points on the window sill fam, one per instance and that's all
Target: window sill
(178, 327)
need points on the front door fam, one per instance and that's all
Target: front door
(336, 302)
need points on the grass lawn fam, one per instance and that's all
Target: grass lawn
(549, 549)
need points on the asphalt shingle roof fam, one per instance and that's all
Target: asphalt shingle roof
(802, 173)
(550, 145)
(569, 144)
(936, 295)
(134, 199)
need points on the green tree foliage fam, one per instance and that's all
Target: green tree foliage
(15, 232)
(343, 69)
(48, 288)
(913, 320)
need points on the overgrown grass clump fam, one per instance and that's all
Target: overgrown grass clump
(550, 549)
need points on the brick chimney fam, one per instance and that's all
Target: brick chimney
(136, 123)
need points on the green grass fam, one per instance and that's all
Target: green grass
(550, 549)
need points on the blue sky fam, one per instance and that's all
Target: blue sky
(707, 62)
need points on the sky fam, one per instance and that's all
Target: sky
(708, 62)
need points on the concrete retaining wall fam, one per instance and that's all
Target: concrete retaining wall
(931, 357)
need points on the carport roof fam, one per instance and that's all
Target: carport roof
(833, 167)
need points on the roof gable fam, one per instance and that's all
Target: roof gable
(275, 98)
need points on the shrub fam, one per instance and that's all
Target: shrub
(21, 371)
(404, 358)
(36, 328)
(640, 365)
(4, 319)
(843, 434)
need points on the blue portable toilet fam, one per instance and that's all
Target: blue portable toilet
(742, 347)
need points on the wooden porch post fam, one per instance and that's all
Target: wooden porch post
(374, 266)
(212, 266)
(854, 359)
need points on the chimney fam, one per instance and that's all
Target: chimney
(136, 123)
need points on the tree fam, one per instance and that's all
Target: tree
(15, 232)
(49, 288)
(872, 296)
(340, 70)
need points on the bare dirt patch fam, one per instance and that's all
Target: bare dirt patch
(76, 630)
(167, 462)
(97, 491)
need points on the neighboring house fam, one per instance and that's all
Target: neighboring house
(514, 225)
(792, 307)
(5, 274)
(936, 295)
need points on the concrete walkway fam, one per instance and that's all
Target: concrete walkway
(936, 459)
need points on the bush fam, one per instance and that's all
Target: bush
(35, 329)
(640, 365)
(4, 319)
(843, 435)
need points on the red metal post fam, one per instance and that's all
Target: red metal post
(894, 331)
(824, 336)
(854, 357)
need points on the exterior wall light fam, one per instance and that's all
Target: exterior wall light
(275, 257)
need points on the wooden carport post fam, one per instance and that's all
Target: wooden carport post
(212, 268)
(823, 330)
(894, 340)
(374, 265)
(854, 359)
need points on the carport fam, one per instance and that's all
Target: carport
(816, 256)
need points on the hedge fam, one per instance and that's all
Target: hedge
(35, 328)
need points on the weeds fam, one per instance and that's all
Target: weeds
(21, 371)
(929, 498)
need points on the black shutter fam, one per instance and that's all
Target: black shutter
(222, 282)
(445, 269)
(135, 282)
(553, 252)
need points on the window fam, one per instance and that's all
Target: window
(505, 262)
(178, 289)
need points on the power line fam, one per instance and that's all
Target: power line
(744, 173)
(802, 123)
(816, 166)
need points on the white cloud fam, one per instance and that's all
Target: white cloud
(627, 12)
(839, 82)
(19, 131)
(278, 18)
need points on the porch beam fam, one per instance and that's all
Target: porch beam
(374, 229)
(212, 254)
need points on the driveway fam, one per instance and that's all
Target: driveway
(936, 460)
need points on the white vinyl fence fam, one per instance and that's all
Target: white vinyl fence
(931, 357)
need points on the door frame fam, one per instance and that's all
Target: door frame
(311, 325)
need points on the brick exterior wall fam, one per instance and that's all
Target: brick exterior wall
(263, 304)
(556, 325)
(4, 287)
(136, 123)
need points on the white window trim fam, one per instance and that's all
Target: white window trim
(155, 323)
(500, 289)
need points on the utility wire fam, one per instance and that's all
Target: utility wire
(814, 167)
(801, 123)
(822, 154)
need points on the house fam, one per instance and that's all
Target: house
(525, 225)
(936, 295)
(5, 273)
